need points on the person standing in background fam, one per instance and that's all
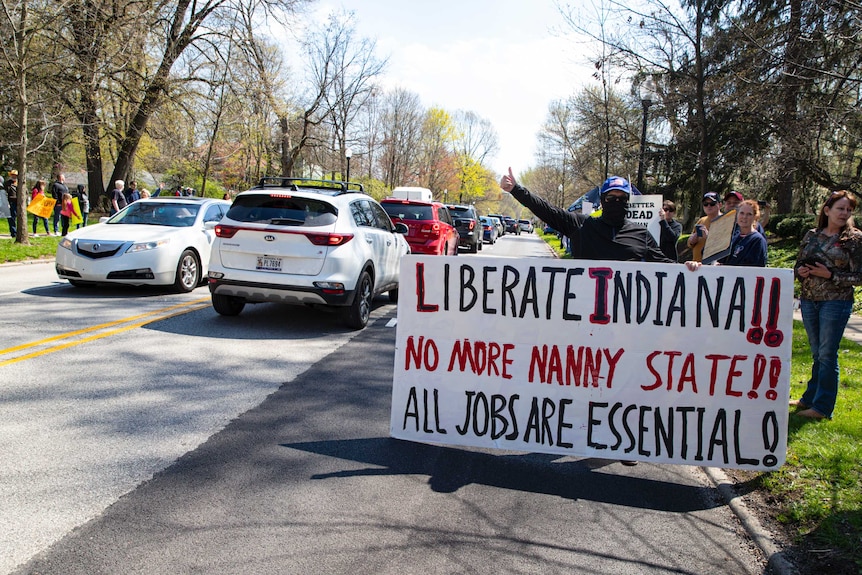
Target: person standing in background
(58, 188)
(697, 240)
(131, 193)
(670, 230)
(748, 247)
(84, 202)
(828, 267)
(118, 199)
(37, 193)
(67, 211)
(11, 186)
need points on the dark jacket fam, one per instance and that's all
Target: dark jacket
(668, 238)
(594, 238)
(749, 251)
(58, 188)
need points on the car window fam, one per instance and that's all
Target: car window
(382, 218)
(362, 214)
(214, 213)
(158, 214)
(444, 215)
(282, 209)
(408, 212)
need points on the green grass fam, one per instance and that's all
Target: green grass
(38, 248)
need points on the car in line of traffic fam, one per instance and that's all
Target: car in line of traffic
(468, 225)
(430, 228)
(306, 242)
(164, 241)
(489, 229)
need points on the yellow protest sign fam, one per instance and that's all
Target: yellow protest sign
(76, 218)
(42, 206)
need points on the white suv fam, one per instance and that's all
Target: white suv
(299, 241)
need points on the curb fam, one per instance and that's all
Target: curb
(776, 560)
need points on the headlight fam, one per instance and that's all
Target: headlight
(66, 243)
(145, 246)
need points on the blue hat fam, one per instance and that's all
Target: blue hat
(616, 183)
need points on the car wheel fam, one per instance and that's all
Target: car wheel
(188, 272)
(228, 304)
(356, 316)
(393, 295)
(474, 248)
(481, 245)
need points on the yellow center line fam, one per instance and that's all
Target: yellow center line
(197, 303)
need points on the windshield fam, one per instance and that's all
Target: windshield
(158, 214)
(282, 210)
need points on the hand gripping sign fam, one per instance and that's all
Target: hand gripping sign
(617, 360)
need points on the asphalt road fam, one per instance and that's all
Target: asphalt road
(259, 444)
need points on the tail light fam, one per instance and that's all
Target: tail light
(430, 229)
(225, 231)
(472, 225)
(329, 239)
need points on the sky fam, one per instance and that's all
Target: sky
(505, 60)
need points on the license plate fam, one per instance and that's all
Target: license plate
(268, 264)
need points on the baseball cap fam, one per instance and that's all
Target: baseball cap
(616, 183)
(711, 196)
(734, 194)
(13, 173)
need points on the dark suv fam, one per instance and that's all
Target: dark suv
(512, 225)
(469, 227)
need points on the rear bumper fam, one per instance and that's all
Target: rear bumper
(288, 294)
(469, 238)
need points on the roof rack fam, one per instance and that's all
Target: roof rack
(335, 186)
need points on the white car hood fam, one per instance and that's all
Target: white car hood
(125, 232)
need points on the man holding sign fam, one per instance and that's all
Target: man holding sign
(608, 237)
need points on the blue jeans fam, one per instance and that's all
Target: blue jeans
(824, 323)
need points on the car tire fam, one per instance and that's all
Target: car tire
(393, 295)
(357, 314)
(474, 248)
(480, 245)
(188, 272)
(228, 304)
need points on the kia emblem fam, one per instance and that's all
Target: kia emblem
(269, 238)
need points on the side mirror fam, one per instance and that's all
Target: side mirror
(401, 228)
(103, 219)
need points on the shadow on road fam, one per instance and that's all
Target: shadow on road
(450, 469)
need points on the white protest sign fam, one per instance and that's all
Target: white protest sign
(643, 210)
(617, 360)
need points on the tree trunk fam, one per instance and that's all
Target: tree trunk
(789, 162)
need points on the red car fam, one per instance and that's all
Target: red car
(431, 228)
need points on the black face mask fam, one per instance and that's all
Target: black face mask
(614, 212)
